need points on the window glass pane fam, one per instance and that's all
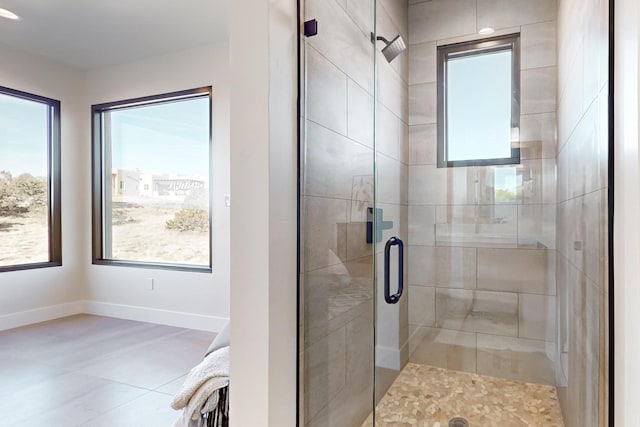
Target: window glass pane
(157, 167)
(507, 181)
(479, 106)
(24, 191)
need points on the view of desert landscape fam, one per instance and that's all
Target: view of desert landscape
(24, 239)
(141, 232)
(24, 227)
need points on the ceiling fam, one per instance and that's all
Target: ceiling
(94, 33)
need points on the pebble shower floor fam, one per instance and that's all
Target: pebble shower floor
(426, 396)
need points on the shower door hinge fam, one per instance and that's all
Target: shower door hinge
(311, 28)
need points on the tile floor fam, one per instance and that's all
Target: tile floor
(426, 396)
(94, 371)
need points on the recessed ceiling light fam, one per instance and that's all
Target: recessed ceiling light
(486, 30)
(4, 13)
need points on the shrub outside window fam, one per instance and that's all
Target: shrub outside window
(152, 181)
(30, 224)
(479, 102)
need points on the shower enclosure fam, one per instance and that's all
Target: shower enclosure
(454, 214)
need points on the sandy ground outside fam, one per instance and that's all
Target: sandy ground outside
(24, 239)
(145, 238)
(142, 237)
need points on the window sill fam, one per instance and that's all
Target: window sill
(155, 266)
(20, 267)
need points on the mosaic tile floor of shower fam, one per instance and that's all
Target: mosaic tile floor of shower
(426, 396)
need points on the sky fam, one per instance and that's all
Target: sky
(163, 138)
(479, 106)
(23, 136)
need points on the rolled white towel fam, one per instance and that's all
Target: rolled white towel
(212, 373)
(204, 400)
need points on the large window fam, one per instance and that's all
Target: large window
(152, 181)
(479, 103)
(29, 181)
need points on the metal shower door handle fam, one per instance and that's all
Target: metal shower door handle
(393, 299)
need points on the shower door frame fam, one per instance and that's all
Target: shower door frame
(300, 174)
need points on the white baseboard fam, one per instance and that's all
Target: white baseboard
(141, 314)
(42, 314)
(153, 315)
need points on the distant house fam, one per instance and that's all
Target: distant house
(134, 183)
(125, 182)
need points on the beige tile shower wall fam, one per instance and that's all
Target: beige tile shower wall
(338, 307)
(482, 294)
(582, 276)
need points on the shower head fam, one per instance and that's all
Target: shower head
(393, 48)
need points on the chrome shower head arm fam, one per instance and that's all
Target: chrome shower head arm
(374, 38)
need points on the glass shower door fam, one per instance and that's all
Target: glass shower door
(337, 204)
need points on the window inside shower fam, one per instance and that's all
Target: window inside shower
(479, 102)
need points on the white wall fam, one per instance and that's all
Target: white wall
(627, 206)
(39, 294)
(196, 300)
(263, 226)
